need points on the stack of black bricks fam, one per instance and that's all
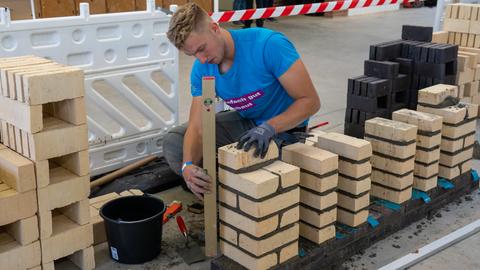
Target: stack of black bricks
(394, 73)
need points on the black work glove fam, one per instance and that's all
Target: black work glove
(260, 136)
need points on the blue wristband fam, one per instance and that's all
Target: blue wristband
(185, 164)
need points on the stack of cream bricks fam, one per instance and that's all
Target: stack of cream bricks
(427, 155)
(354, 171)
(393, 159)
(458, 130)
(318, 185)
(462, 27)
(19, 245)
(258, 208)
(43, 118)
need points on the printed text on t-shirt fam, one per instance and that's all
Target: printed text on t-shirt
(244, 102)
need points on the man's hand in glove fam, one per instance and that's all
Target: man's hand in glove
(259, 136)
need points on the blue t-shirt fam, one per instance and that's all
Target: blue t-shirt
(251, 86)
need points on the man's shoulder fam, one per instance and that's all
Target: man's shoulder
(257, 34)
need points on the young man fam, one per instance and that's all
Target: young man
(258, 73)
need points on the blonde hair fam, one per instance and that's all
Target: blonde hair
(188, 18)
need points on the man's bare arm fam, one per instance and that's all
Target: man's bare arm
(299, 86)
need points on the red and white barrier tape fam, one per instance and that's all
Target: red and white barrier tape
(262, 13)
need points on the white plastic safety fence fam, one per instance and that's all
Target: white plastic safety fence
(131, 75)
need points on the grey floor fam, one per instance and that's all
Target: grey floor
(333, 50)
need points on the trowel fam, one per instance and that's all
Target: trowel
(192, 252)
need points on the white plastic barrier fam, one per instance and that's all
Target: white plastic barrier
(131, 75)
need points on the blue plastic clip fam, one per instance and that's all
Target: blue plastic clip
(339, 235)
(301, 253)
(443, 183)
(372, 221)
(475, 176)
(418, 194)
(390, 205)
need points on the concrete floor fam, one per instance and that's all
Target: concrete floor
(333, 50)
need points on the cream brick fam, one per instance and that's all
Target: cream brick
(78, 212)
(256, 184)
(351, 219)
(392, 180)
(267, 207)
(84, 258)
(68, 139)
(353, 186)
(354, 170)
(316, 218)
(260, 247)
(424, 121)
(16, 171)
(459, 131)
(393, 166)
(353, 204)
(227, 197)
(426, 171)
(314, 137)
(390, 130)
(290, 216)
(450, 161)
(399, 151)
(237, 159)
(391, 195)
(290, 175)
(99, 233)
(345, 146)
(455, 145)
(45, 224)
(288, 252)
(471, 89)
(440, 37)
(64, 189)
(246, 260)
(425, 184)
(434, 95)
(228, 234)
(67, 238)
(104, 198)
(453, 114)
(452, 172)
(315, 235)
(427, 157)
(252, 227)
(25, 231)
(15, 256)
(318, 184)
(310, 158)
(317, 201)
(429, 141)
(15, 206)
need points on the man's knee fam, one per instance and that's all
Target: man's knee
(173, 148)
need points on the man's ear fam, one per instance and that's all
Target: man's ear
(214, 27)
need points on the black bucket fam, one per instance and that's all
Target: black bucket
(134, 228)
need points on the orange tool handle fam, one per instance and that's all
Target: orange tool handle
(182, 226)
(171, 211)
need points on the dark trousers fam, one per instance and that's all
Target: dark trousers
(260, 4)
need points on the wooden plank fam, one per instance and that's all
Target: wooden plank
(57, 8)
(120, 5)
(142, 4)
(209, 164)
(207, 5)
(96, 6)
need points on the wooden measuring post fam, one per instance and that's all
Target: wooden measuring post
(209, 164)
